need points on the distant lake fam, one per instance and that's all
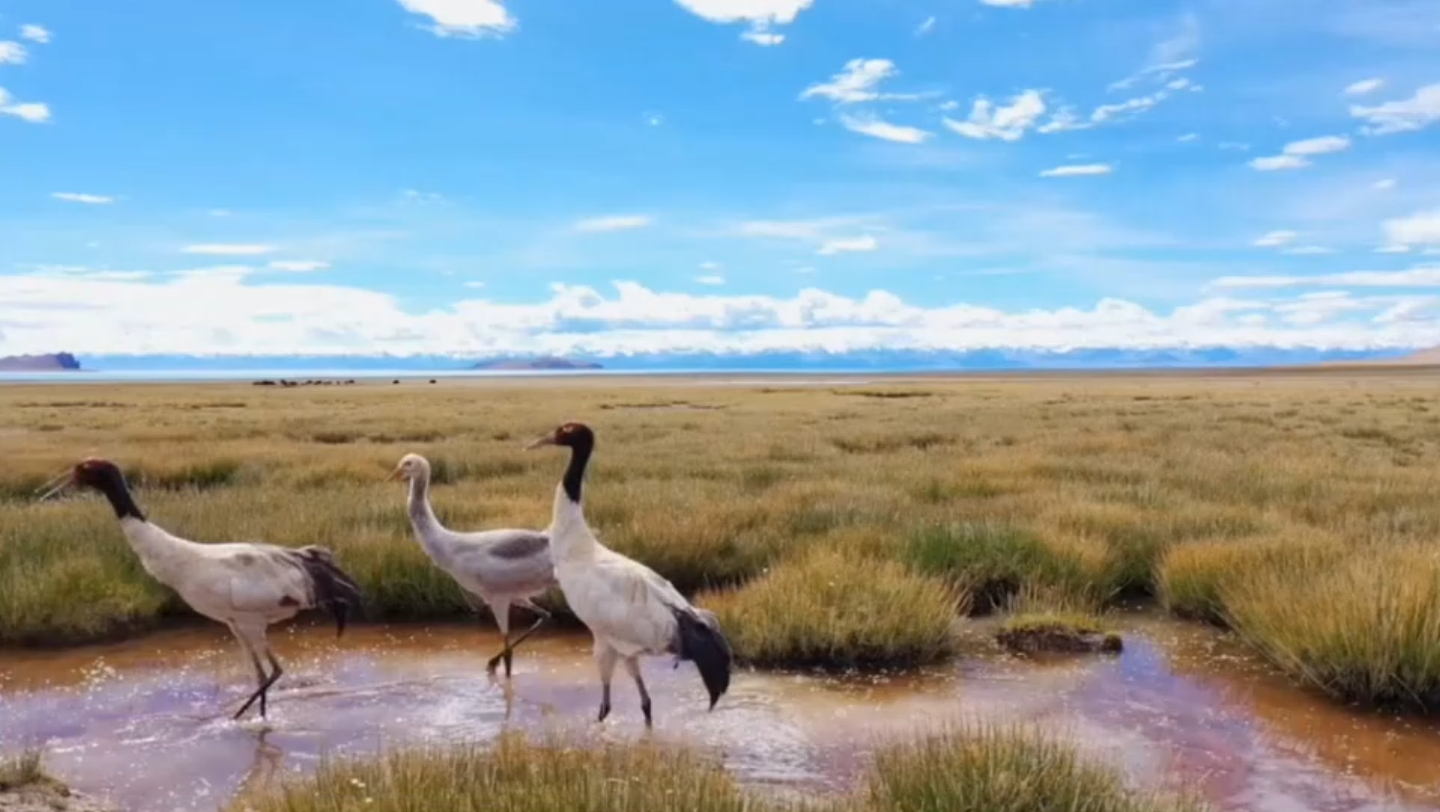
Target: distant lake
(248, 375)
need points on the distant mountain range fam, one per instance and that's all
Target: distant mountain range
(52, 362)
(799, 361)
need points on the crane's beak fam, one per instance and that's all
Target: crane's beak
(57, 484)
(395, 475)
(548, 439)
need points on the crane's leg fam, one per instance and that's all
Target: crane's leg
(605, 658)
(254, 640)
(632, 664)
(502, 619)
(543, 616)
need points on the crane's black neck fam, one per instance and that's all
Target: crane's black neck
(581, 446)
(117, 493)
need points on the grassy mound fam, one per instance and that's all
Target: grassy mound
(992, 561)
(828, 610)
(1057, 632)
(1001, 769)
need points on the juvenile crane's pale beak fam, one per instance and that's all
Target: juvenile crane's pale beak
(57, 484)
(395, 475)
(548, 439)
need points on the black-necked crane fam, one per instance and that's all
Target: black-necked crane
(245, 585)
(628, 607)
(501, 568)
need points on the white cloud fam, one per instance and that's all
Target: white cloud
(712, 279)
(709, 266)
(1007, 123)
(1383, 184)
(1273, 238)
(463, 18)
(34, 33)
(761, 15)
(926, 27)
(228, 249)
(1364, 86)
(1077, 170)
(79, 197)
(848, 245)
(1009, 3)
(876, 128)
(1413, 278)
(760, 36)
(475, 284)
(12, 53)
(858, 81)
(228, 312)
(1064, 120)
(614, 222)
(1188, 137)
(1308, 250)
(1393, 249)
(1106, 112)
(1422, 228)
(1296, 154)
(1405, 115)
(298, 265)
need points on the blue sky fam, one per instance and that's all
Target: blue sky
(512, 175)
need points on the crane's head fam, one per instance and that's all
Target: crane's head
(91, 472)
(411, 468)
(573, 435)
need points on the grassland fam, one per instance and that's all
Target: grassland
(1296, 509)
(975, 769)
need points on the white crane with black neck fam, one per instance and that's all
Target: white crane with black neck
(502, 568)
(628, 607)
(245, 585)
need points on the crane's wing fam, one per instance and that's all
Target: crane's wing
(501, 560)
(244, 579)
(632, 604)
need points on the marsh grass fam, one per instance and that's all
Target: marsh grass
(1100, 487)
(1041, 620)
(962, 769)
(829, 610)
(24, 770)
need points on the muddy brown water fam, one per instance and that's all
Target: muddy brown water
(145, 723)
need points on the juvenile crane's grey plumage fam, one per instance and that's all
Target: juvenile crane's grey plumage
(629, 608)
(246, 586)
(501, 568)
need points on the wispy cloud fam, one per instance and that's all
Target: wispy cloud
(848, 245)
(710, 279)
(1077, 170)
(1421, 228)
(1404, 115)
(925, 27)
(298, 265)
(79, 197)
(1415, 277)
(1272, 239)
(1007, 122)
(229, 249)
(1297, 154)
(858, 81)
(12, 53)
(614, 222)
(1363, 86)
(876, 128)
(35, 33)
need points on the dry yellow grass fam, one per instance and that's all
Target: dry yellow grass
(1096, 486)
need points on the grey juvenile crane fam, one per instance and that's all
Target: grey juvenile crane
(502, 568)
(245, 585)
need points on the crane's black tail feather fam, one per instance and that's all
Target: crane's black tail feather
(334, 588)
(702, 641)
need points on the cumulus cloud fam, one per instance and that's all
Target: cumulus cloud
(614, 222)
(32, 112)
(1007, 122)
(228, 313)
(1297, 154)
(463, 18)
(1404, 115)
(1077, 170)
(874, 127)
(12, 53)
(35, 33)
(760, 15)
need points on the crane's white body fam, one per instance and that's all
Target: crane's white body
(500, 568)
